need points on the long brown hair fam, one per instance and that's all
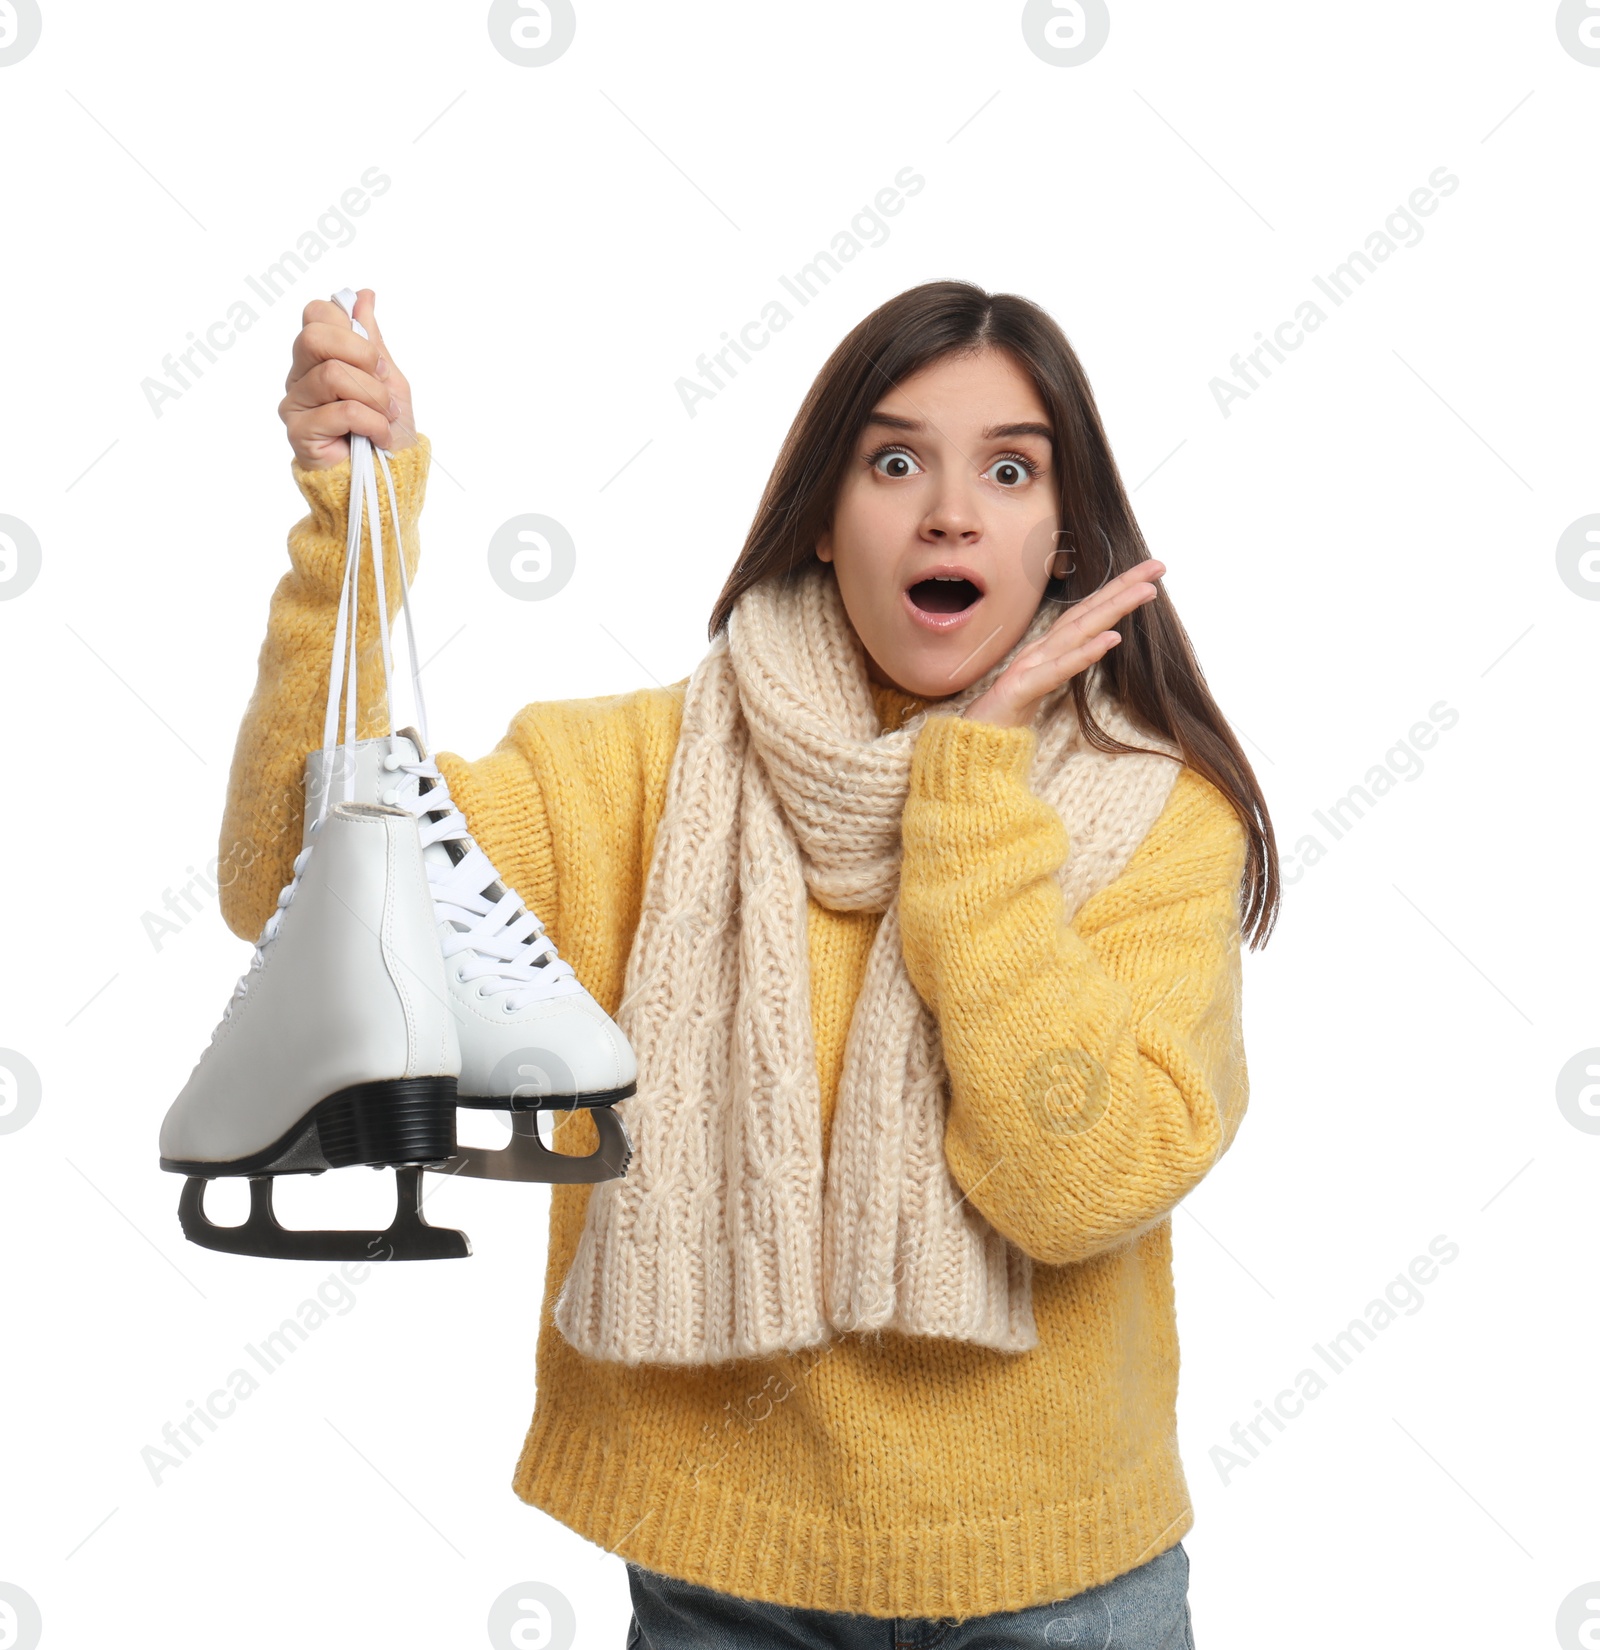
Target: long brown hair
(1153, 672)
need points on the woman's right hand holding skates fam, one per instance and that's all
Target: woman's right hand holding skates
(340, 383)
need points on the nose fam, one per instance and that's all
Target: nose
(952, 517)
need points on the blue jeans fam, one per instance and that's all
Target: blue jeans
(1146, 1609)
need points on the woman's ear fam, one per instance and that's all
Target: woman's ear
(825, 546)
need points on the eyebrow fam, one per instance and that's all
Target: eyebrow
(993, 433)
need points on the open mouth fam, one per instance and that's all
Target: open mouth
(944, 595)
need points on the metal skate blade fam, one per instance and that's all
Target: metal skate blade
(407, 1237)
(527, 1157)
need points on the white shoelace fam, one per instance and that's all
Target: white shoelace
(490, 935)
(494, 937)
(487, 931)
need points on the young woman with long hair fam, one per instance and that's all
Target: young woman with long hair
(921, 901)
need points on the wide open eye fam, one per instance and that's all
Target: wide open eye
(1012, 470)
(895, 463)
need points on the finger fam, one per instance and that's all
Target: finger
(1146, 573)
(325, 309)
(338, 381)
(366, 307)
(321, 341)
(313, 427)
(367, 315)
(1065, 650)
(1108, 604)
(1121, 596)
(1084, 647)
(1044, 673)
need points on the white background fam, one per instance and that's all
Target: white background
(1372, 532)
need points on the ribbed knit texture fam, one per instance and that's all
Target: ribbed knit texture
(1097, 1072)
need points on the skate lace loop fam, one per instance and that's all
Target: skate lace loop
(496, 938)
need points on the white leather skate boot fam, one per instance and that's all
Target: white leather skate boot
(338, 1047)
(532, 1038)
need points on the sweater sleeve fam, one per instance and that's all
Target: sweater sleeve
(565, 804)
(1097, 1068)
(261, 821)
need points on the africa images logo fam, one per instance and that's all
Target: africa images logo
(20, 27)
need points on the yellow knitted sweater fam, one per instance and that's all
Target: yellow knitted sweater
(887, 1475)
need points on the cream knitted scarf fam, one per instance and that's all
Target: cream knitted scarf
(729, 1237)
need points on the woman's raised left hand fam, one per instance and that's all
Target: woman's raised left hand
(1073, 643)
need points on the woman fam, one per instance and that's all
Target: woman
(921, 901)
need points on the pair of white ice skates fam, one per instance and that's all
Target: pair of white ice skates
(398, 979)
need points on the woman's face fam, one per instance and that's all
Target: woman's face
(952, 475)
